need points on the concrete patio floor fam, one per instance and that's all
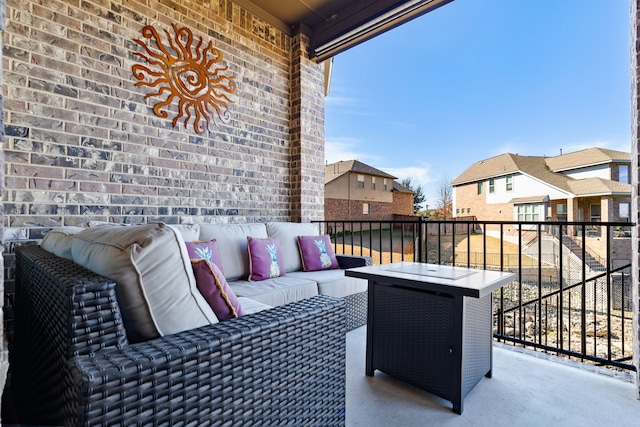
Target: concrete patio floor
(526, 390)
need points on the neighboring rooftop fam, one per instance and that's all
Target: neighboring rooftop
(506, 164)
(401, 188)
(336, 170)
(547, 169)
(586, 158)
(598, 187)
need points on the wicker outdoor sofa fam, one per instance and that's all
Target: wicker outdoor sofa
(72, 362)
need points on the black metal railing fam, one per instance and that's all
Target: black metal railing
(573, 292)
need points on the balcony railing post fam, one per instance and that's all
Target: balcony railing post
(421, 240)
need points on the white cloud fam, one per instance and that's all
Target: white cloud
(419, 174)
(337, 100)
(346, 148)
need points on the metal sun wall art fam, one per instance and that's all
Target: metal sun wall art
(188, 73)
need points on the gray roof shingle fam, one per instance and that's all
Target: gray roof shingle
(335, 170)
(584, 158)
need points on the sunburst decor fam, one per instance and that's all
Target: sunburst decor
(191, 74)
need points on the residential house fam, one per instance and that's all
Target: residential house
(587, 185)
(358, 192)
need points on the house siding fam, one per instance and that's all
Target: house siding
(600, 171)
(467, 202)
(346, 187)
(346, 194)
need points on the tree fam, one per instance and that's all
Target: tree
(444, 197)
(418, 196)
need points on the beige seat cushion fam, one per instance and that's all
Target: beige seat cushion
(333, 282)
(287, 234)
(155, 285)
(277, 291)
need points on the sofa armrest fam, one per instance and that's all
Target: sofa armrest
(83, 303)
(282, 366)
(62, 310)
(352, 261)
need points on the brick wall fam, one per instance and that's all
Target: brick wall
(82, 142)
(470, 203)
(4, 355)
(402, 204)
(307, 127)
(338, 209)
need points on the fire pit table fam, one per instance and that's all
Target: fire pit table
(430, 325)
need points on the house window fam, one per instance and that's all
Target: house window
(480, 187)
(492, 185)
(468, 210)
(385, 184)
(561, 211)
(623, 173)
(595, 213)
(360, 181)
(528, 212)
(373, 183)
(623, 211)
(509, 181)
(366, 209)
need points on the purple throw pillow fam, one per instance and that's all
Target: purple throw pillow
(265, 258)
(215, 289)
(207, 250)
(317, 253)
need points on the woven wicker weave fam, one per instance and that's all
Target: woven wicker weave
(353, 261)
(72, 364)
(356, 308)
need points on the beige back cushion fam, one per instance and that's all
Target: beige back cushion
(155, 285)
(58, 240)
(287, 233)
(189, 232)
(232, 245)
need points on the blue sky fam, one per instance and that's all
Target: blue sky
(478, 78)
